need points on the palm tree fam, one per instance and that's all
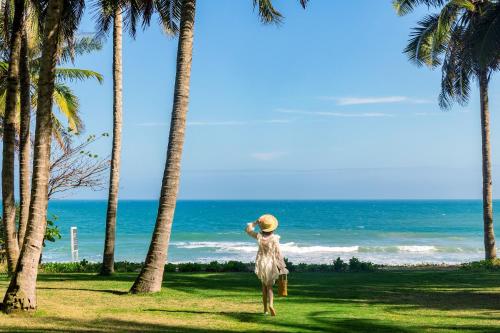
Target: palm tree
(447, 39)
(64, 98)
(24, 139)
(21, 293)
(170, 11)
(112, 11)
(9, 137)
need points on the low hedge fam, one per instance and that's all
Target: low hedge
(84, 266)
(483, 265)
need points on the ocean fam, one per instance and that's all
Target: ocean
(383, 232)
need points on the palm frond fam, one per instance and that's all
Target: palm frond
(169, 12)
(404, 7)
(82, 45)
(60, 134)
(456, 72)
(422, 48)
(303, 3)
(267, 12)
(71, 17)
(486, 36)
(76, 74)
(68, 105)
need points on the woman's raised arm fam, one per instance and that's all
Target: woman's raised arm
(250, 229)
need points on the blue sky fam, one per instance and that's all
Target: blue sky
(324, 106)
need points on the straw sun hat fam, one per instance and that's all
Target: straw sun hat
(267, 223)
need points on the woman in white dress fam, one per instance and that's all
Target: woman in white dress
(269, 264)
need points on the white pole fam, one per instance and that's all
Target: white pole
(74, 244)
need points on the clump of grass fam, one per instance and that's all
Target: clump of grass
(483, 265)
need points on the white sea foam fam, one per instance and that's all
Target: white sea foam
(294, 248)
(417, 248)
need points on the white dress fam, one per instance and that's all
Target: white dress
(269, 263)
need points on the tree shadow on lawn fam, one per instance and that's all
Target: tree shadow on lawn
(107, 291)
(47, 324)
(454, 290)
(118, 277)
(431, 290)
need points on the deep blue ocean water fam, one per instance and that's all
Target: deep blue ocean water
(390, 232)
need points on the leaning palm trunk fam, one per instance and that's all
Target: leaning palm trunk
(21, 293)
(489, 235)
(24, 141)
(151, 275)
(114, 178)
(9, 138)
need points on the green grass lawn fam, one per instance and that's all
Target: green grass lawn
(389, 301)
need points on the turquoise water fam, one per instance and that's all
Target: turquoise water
(390, 232)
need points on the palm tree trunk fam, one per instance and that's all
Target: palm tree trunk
(151, 275)
(24, 141)
(114, 177)
(489, 234)
(21, 293)
(9, 138)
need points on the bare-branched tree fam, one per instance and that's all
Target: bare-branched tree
(75, 167)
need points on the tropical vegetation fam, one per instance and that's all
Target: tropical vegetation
(39, 37)
(459, 39)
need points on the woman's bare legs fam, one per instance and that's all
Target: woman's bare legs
(271, 300)
(264, 297)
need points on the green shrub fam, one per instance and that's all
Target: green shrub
(214, 266)
(289, 265)
(236, 266)
(170, 268)
(483, 265)
(85, 266)
(340, 266)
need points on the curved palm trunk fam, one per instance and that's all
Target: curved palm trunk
(24, 141)
(114, 177)
(9, 138)
(489, 234)
(21, 293)
(151, 275)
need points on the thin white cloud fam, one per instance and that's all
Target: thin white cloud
(268, 156)
(336, 114)
(376, 100)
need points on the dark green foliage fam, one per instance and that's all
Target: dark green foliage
(339, 265)
(214, 266)
(52, 232)
(289, 265)
(190, 267)
(483, 265)
(355, 265)
(236, 266)
(85, 266)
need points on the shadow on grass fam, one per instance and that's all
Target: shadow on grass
(394, 292)
(432, 290)
(107, 291)
(114, 325)
(441, 290)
